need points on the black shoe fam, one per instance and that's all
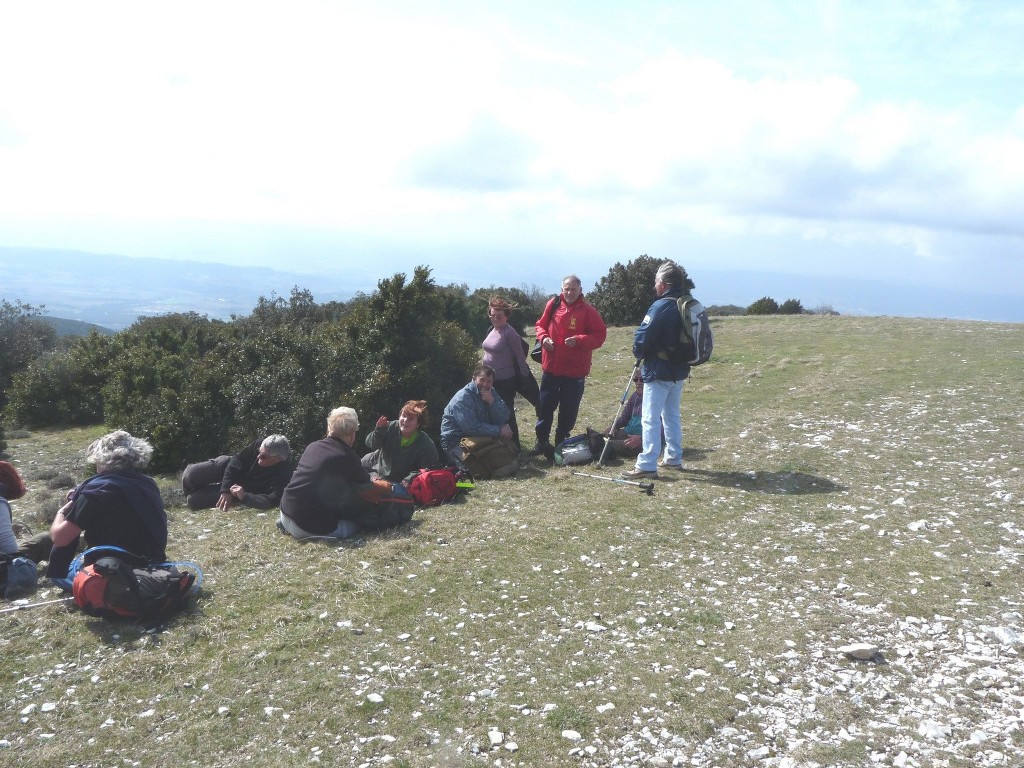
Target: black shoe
(540, 448)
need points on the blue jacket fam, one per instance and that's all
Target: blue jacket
(658, 331)
(468, 415)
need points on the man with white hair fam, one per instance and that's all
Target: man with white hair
(663, 378)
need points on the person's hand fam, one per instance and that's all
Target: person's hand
(238, 492)
(225, 501)
(487, 395)
(382, 421)
(506, 432)
(571, 341)
(634, 441)
(548, 344)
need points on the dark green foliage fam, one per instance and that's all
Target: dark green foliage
(764, 306)
(64, 386)
(198, 388)
(791, 307)
(151, 375)
(624, 294)
(523, 317)
(405, 344)
(23, 338)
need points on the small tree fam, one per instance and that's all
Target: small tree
(24, 336)
(766, 305)
(624, 294)
(791, 307)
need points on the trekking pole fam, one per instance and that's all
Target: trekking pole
(618, 413)
(34, 605)
(647, 488)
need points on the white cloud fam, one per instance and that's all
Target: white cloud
(590, 132)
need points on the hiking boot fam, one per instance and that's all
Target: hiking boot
(665, 465)
(541, 448)
(638, 474)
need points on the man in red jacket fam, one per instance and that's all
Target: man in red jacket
(569, 331)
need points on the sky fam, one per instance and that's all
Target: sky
(511, 143)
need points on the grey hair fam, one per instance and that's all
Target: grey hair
(672, 274)
(574, 279)
(341, 421)
(119, 450)
(277, 445)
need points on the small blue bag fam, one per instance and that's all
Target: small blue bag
(21, 578)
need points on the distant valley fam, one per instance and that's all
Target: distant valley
(114, 291)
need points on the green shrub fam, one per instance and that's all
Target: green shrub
(766, 305)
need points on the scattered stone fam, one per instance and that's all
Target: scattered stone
(571, 735)
(862, 651)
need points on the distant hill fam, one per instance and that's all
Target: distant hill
(65, 327)
(114, 291)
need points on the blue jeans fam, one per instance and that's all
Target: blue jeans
(564, 393)
(661, 412)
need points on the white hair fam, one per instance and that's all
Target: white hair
(119, 450)
(342, 421)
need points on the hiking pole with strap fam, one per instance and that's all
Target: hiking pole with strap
(618, 413)
(35, 605)
(647, 488)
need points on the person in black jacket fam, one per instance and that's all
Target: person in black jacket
(254, 477)
(332, 496)
(118, 506)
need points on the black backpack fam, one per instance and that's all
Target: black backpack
(113, 583)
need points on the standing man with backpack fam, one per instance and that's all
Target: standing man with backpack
(569, 331)
(663, 372)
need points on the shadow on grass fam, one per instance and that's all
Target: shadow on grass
(783, 483)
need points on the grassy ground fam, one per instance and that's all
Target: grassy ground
(848, 480)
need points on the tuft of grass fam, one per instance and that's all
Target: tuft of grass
(848, 479)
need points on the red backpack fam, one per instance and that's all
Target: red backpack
(430, 487)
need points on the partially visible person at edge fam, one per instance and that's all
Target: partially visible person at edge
(625, 435)
(331, 495)
(118, 506)
(663, 380)
(503, 351)
(476, 410)
(12, 488)
(399, 448)
(253, 477)
(569, 333)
